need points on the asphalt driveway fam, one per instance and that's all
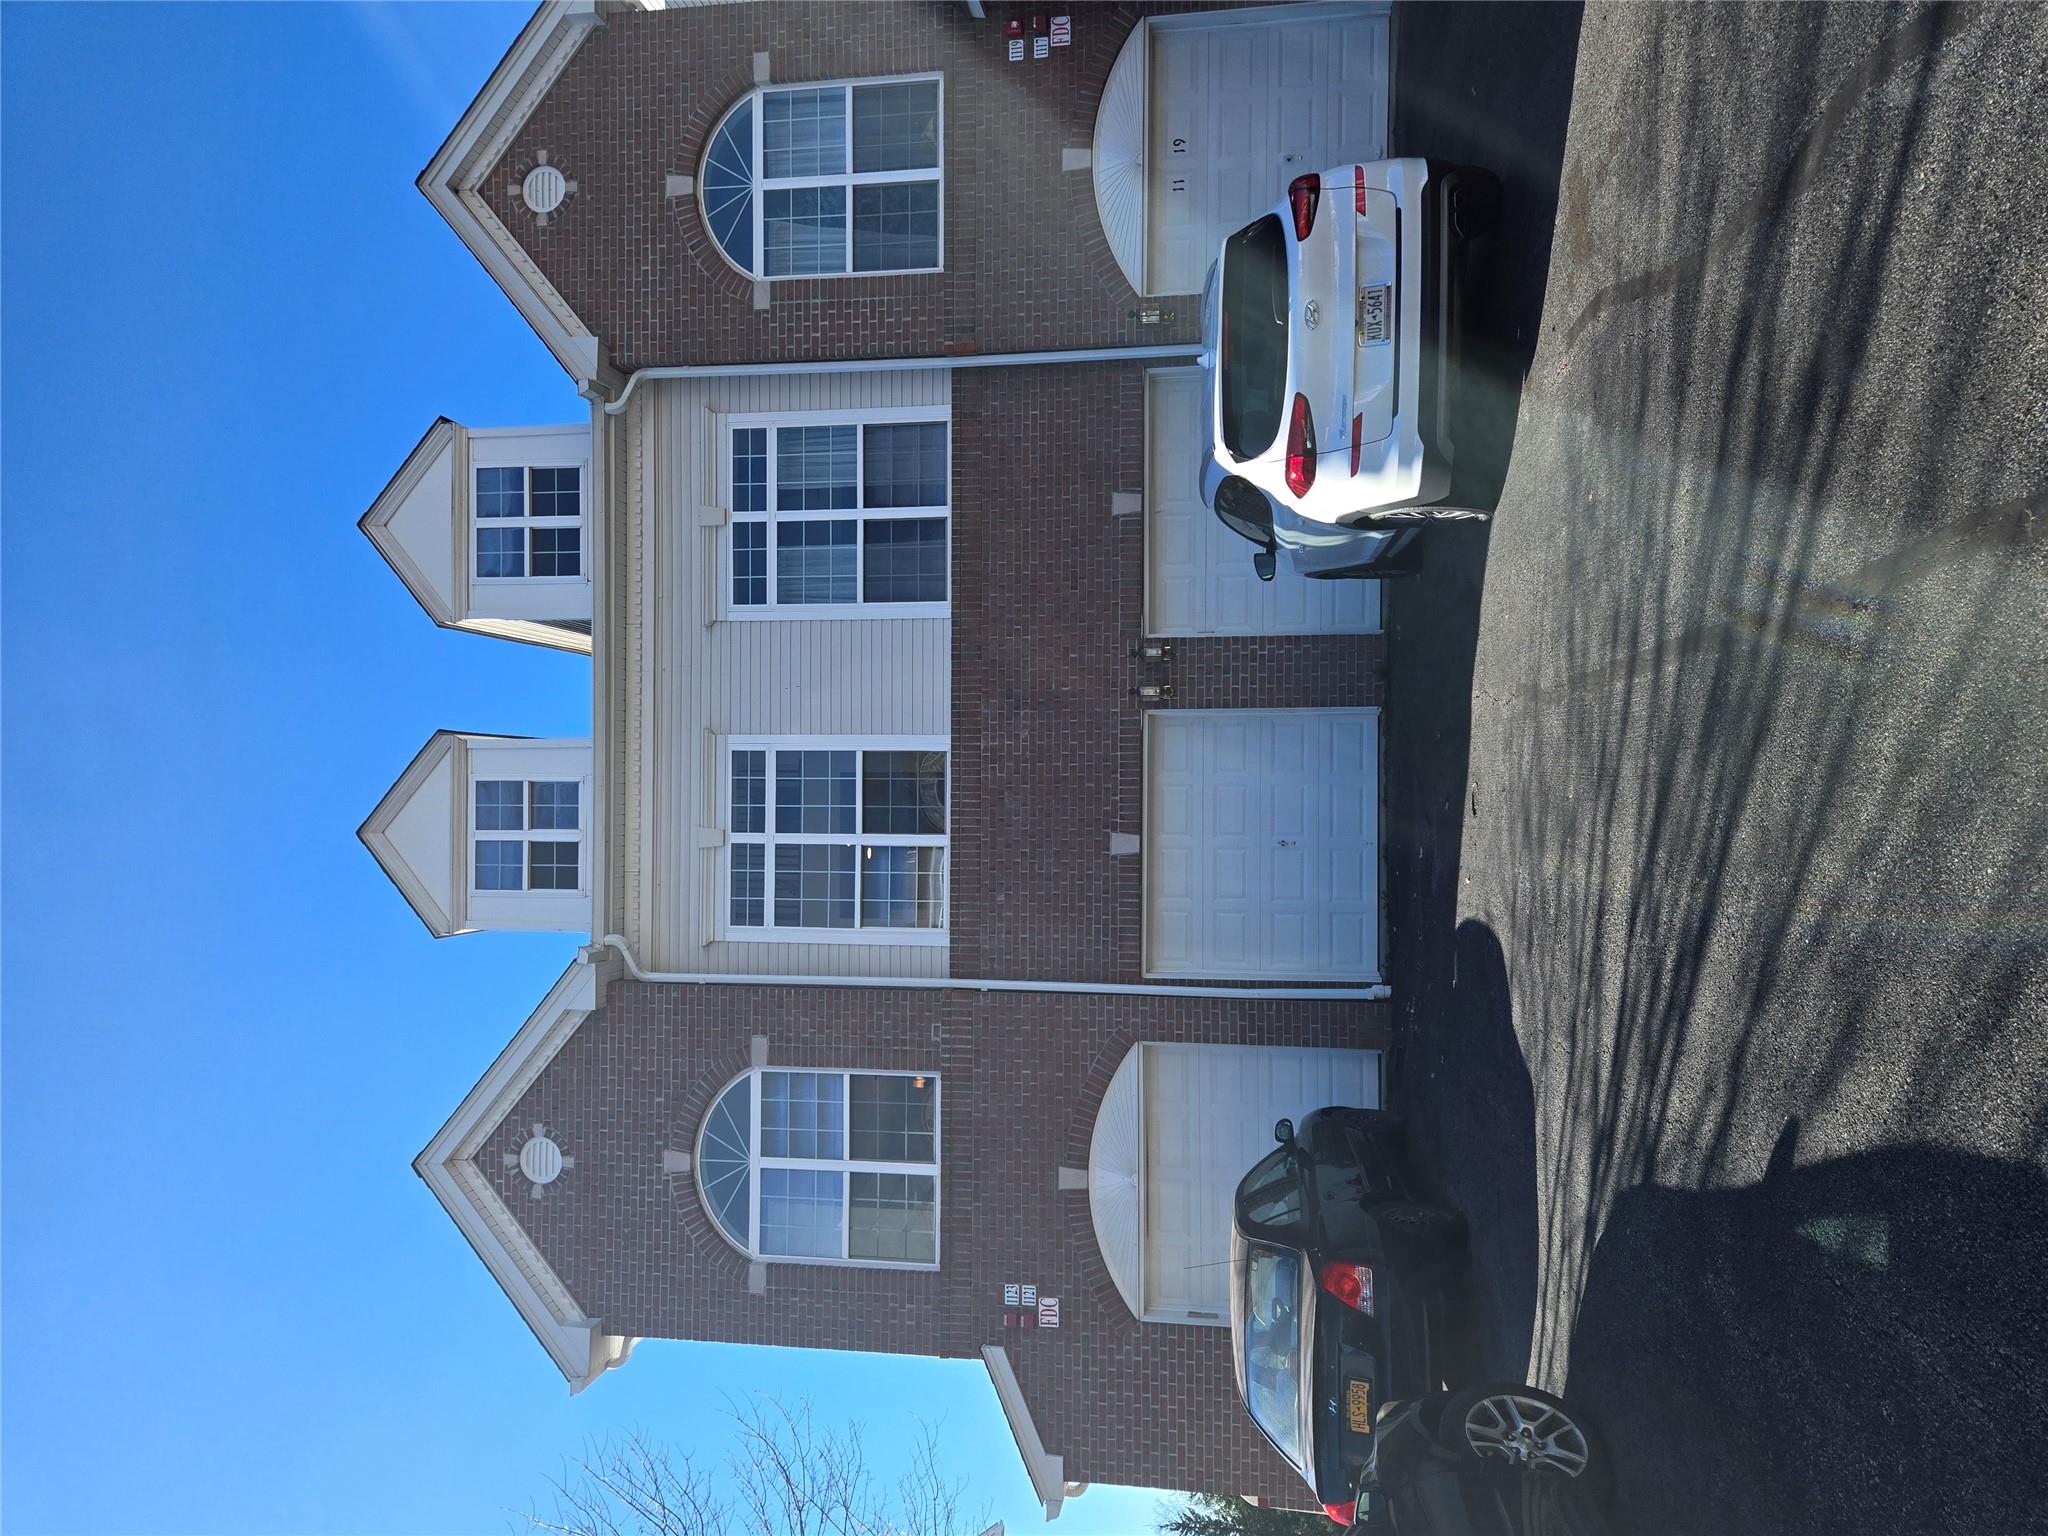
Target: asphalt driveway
(1715, 804)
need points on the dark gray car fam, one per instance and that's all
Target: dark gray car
(1337, 1296)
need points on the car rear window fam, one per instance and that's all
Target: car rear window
(1272, 1345)
(1254, 350)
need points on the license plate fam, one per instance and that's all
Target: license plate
(1358, 1406)
(1375, 315)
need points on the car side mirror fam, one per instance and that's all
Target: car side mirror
(1283, 1132)
(1265, 563)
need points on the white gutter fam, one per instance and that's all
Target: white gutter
(613, 941)
(1164, 353)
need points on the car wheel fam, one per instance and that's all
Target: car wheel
(1530, 1431)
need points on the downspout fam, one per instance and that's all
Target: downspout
(599, 513)
(1167, 353)
(613, 941)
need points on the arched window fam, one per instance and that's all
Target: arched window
(820, 180)
(826, 1167)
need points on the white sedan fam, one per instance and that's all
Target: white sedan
(1332, 328)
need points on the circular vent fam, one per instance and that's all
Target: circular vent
(544, 189)
(541, 1160)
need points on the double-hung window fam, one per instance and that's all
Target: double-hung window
(836, 841)
(819, 180)
(529, 521)
(839, 515)
(527, 835)
(826, 1166)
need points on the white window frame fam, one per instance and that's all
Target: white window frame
(527, 522)
(527, 834)
(768, 840)
(846, 1167)
(860, 608)
(848, 179)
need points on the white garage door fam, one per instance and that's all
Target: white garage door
(1198, 573)
(1208, 1116)
(1262, 844)
(1242, 103)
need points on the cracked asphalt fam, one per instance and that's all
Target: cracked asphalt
(1715, 818)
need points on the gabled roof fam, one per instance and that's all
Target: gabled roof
(480, 138)
(415, 829)
(418, 522)
(577, 1343)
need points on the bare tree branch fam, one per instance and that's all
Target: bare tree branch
(783, 1475)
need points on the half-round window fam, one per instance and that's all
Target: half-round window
(725, 1160)
(826, 1166)
(821, 180)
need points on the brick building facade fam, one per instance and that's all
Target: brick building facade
(577, 1166)
(1021, 1077)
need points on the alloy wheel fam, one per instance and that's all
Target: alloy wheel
(1527, 1432)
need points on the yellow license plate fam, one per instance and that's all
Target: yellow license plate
(1358, 1406)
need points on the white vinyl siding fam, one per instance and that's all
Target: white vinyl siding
(691, 678)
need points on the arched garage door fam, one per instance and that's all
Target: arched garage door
(1178, 1128)
(1206, 117)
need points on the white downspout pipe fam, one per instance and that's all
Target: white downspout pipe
(613, 941)
(1154, 354)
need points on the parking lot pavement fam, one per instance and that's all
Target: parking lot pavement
(1715, 815)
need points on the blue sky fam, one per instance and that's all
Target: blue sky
(229, 1304)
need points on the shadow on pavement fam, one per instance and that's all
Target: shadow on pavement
(1762, 645)
(1472, 1128)
(1486, 85)
(1738, 1325)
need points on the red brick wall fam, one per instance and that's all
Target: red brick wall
(1048, 609)
(1026, 266)
(1021, 1077)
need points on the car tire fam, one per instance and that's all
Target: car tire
(1441, 512)
(1503, 1424)
(1475, 202)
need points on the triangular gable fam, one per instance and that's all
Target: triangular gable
(450, 181)
(578, 1344)
(419, 522)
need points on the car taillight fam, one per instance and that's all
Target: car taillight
(1358, 185)
(1303, 194)
(1343, 1514)
(1301, 447)
(1349, 1283)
